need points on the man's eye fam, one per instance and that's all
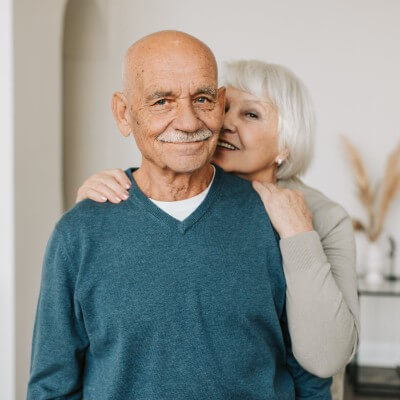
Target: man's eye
(251, 115)
(160, 102)
(202, 100)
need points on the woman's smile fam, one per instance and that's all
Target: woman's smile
(225, 145)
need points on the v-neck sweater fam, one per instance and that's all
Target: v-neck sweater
(181, 209)
(135, 304)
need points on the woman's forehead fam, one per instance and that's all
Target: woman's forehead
(243, 97)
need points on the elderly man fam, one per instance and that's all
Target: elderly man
(178, 293)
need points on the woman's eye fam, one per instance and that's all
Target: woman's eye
(251, 115)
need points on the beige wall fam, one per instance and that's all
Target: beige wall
(37, 93)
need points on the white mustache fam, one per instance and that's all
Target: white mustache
(184, 137)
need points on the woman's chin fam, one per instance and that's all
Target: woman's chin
(230, 161)
(221, 163)
(226, 165)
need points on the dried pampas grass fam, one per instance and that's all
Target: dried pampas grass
(388, 189)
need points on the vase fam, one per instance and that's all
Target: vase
(362, 242)
(376, 257)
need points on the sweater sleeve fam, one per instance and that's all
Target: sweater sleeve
(306, 385)
(322, 304)
(59, 338)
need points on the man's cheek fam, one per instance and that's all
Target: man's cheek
(217, 119)
(213, 116)
(155, 125)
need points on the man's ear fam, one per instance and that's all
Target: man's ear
(221, 97)
(119, 107)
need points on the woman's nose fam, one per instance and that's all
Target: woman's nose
(229, 125)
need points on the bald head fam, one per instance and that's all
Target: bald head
(166, 47)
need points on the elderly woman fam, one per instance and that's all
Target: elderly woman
(267, 138)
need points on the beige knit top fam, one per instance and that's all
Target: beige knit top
(321, 294)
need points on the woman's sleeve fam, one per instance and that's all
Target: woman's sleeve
(321, 296)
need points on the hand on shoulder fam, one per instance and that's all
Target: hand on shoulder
(286, 208)
(111, 185)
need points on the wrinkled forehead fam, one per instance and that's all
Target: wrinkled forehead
(167, 80)
(161, 60)
(176, 76)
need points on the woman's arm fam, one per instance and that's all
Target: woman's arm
(321, 295)
(321, 286)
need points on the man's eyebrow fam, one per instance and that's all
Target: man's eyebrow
(158, 95)
(206, 90)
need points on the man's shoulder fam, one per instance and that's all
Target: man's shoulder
(237, 186)
(89, 215)
(239, 200)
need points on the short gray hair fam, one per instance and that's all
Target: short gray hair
(286, 92)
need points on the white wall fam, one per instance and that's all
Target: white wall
(7, 341)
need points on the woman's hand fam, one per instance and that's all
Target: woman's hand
(286, 208)
(108, 185)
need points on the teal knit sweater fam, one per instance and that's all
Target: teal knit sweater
(137, 305)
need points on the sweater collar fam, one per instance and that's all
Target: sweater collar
(138, 198)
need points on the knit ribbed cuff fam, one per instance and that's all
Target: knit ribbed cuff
(302, 251)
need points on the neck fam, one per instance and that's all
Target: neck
(266, 175)
(167, 185)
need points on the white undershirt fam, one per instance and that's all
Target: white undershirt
(181, 209)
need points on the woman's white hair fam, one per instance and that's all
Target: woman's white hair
(286, 92)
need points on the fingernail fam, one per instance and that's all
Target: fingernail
(103, 198)
(125, 196)
(127, 186)
(118, 199)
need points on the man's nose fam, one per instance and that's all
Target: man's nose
(186, 118)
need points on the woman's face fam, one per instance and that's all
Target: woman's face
(248, 143)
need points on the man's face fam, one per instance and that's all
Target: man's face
(176, 112)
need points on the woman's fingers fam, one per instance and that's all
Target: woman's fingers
(85, 192)
(94, 195)
(104, 186)
(264, 190)
(286, 208)
(106, 191)
(272, 188)
(121, 177)
(111, 182)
